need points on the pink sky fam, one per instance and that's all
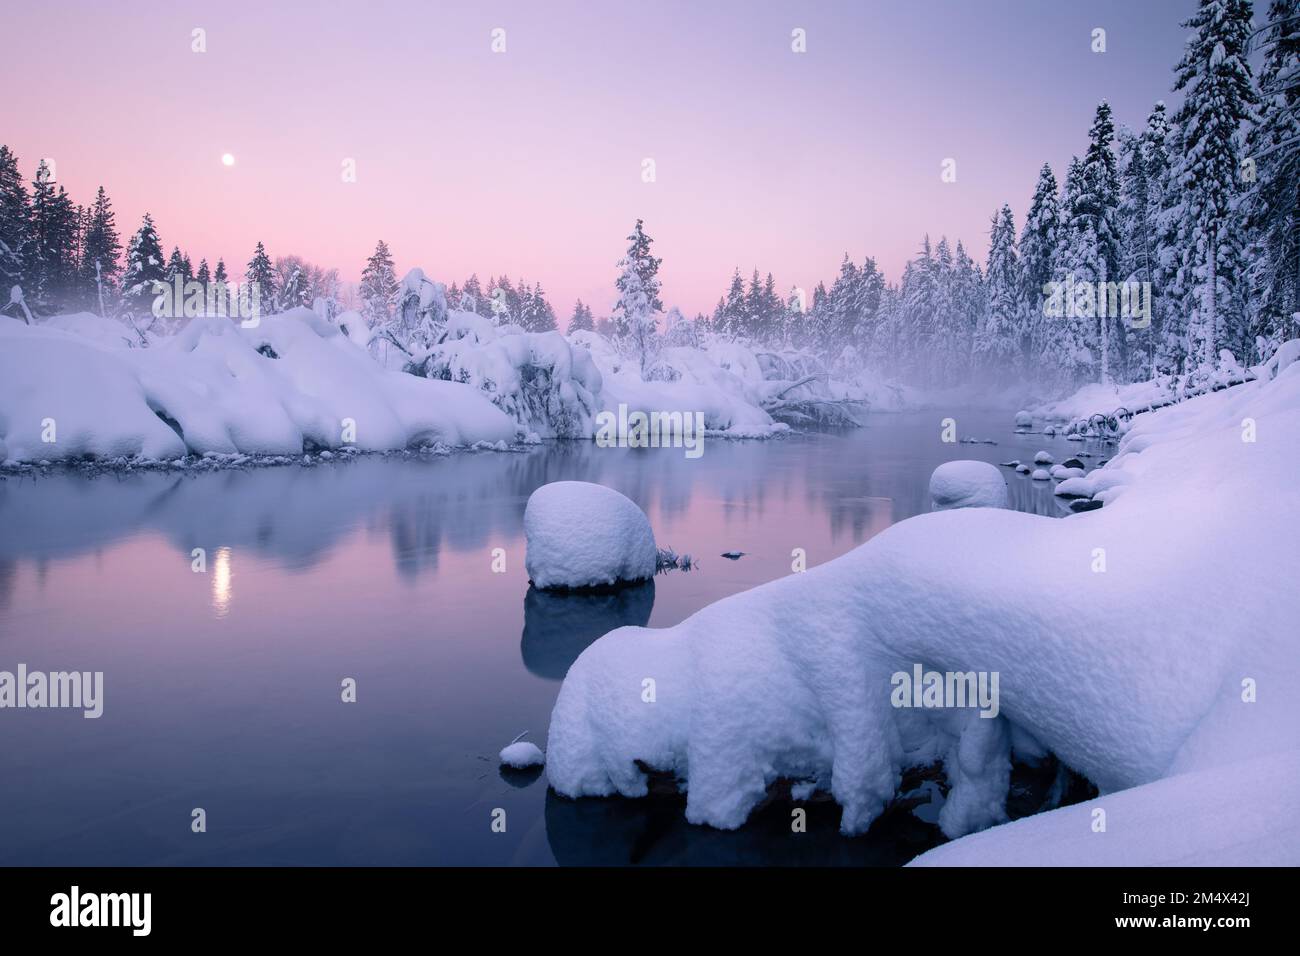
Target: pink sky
(528, 162)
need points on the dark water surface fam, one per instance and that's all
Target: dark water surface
(222, 689)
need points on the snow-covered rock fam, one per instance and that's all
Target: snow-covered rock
(1044, 458)
(521, 755)
(1145, 672)
(292, 382)
(1024, 420)
(1041, 474)
(582, 535)
(967, 484)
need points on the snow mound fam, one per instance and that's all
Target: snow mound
(582, 535)
(1129, 676)
(521, 755)
(968, 484)
(292, 383)
(724, 382)
(547, 386)
(1241, 814)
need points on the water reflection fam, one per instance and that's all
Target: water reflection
(221, 582)
(381, 568)
(652, 831)
(558, 626)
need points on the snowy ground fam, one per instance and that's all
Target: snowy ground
(1150, 645)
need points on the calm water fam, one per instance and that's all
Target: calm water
(222, 689)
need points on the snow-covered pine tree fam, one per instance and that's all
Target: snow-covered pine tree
(1219, 97)
(1068, 339)
(1144, 180)
(541, 313)
(378, 287)
(1037, 253)
(472, 298)
(15, 216)
(733, 319)
(1272, 203)
(175, 267)
(997, 343)
(646, 265)
(100, 250)
(1095, 240)
(967, 297)
(871, 285)
(50, 259)
(582, 319)
(204, 274)
(144, 270)
(635, 318)
(941, 358)
(918, 302)
(260, 275)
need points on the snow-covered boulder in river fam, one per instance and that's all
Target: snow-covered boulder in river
(582, 535)
(967, 484)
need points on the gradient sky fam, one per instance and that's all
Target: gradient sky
(529, 162)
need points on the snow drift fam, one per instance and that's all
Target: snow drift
(292, 383)
(1128, 641)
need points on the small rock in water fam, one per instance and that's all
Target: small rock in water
(1022, 469)
(521, 755)
(1024, 420)
(1010, 464)
(1043, 458)
(1073, 463)
(1084, 504)
(967, 484)
(1040, 474)
(733, 555)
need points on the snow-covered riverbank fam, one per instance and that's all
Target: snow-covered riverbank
(1152, 640)
(80, 387)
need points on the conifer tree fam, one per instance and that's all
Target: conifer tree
(1216, 78)
(144, 269)
(15, 217)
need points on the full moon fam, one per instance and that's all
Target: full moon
(227, 159)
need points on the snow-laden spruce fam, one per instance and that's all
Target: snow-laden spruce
(1152, 638)
(967, 484)
(72, 388)
(583, 535)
